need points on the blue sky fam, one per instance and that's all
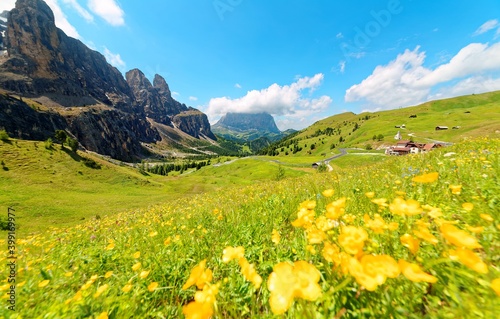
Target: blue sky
(301, 61)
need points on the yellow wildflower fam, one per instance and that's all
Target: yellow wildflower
(370, 194)
(325, 224)
(100, 290)
(315, 236)
(287, 282)
(377, 224)
(328, 192)
(470, 259)
(199, 276)
(305, 215)
(403, 207)
(108, 274)
(230, 253)
(426, 178)
(197, 310)
(248, 271)
(167, 241)
(103, 315)
(352, 239)
(136, 266)
(127, 287)
(456, 189)
(475, 230)
(68, 274)
(152, 286)
(425, 234)
(136, 255)
(331, 253)
(495, 285)
(468, 206)
(275, 237)
(414, 273)
(381, 202)
(411, 243)
(336, 209)
(459, 237)
(144, 274)
(43, 283)
(372, 270)
(110, 246)
(486, 217)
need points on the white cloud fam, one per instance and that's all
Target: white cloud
(471, 85)
(193, 98)
(175, 93)
(114, 59)
(61, 20)
(339, 35)
(109, 10)
(342, 66)
(237, 85)
(7, 5)
(286, 100)
(405, 81)
(81, 11)
(487, 26)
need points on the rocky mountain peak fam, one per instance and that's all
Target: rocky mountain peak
(137, 80)
(161, 85)
(263, 122)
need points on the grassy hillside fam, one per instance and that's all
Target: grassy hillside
(477, 115)
(416, 237)
(55, 188)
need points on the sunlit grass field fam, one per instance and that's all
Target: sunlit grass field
(411, 237)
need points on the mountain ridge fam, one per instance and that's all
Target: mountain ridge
(95, 100)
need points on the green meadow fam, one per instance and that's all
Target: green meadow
(410, 237)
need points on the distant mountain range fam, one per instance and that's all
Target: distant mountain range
(50, 82)
(247, 127)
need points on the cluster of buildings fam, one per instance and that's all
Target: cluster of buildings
(403, 147)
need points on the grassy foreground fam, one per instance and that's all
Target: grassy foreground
(413, 237)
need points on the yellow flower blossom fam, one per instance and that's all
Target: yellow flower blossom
(315, 236)
(68, 274)
(411, 243)
(199, 276)
(100, 290)
(328, 192)
(249, 272)
(470, 259)
(495, 285)
(230, 253)
(486, 217)
(370, 194)
(43, 283)
(325, 224)
(336, 209)
(372, 270)
(103, 315)
(110, 246)
(127, 287)
(167, 241)
(153, 234)
(468, 206)
(287, 282)
(381, 202)
(475, 230)
(137, 254)
(459, 237)
(108, 274)
(414, 273)
(136, 266)
(152, 286)
(426, 178)
(144, 274)
(456, 189)
(352, 239)
(403, 207)
(197, 310)
(425, 234)
(331, 253)
(306, 214)
(377, 224)
(275, 237)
